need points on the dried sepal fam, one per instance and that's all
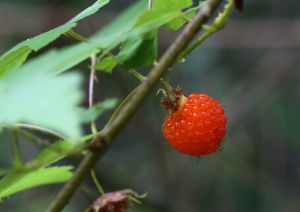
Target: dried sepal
(172, 100)
(118, 201)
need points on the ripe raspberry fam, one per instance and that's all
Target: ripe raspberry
(197, 127)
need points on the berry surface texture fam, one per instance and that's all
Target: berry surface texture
(197, 127)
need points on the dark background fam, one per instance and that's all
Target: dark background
(252, 67)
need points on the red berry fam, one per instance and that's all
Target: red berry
(197, 127)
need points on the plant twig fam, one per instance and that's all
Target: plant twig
(149, 4)
(116, 112)
(18, 162)
(103, 140)
(137, 75)
(217, 25)
(91, 90)
(99, 187)
(41, 129)
(35, 139)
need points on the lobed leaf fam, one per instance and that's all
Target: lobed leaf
(178, 22)
(42, 100)
(171, 4)
(107, 64)
(95, 111)
(13, 60)
(138, 51)
(130, 25)
(55, 152)
(39, 41)
(16, 181)
(58, 61)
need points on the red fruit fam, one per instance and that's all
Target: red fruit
(197, 127)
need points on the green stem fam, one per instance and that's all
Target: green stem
(77, 36)
(218, 24)
(137, 75)
(4, 171)
(103, 140)
(16, 150)
(34, 164)
(41, 129)
(31, 137)
(185, 17)
(121, 105)
(99, 187)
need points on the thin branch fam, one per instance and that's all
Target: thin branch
(121, 105)
(137, 75)
(91, 90)
(42, 129)
(35, 139)
(149, 4)
(98, 185)
(218, 24)
(103, 140)
(18, 162)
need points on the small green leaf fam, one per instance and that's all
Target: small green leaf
(163, 12)
(89, 11)
(13, 60)
(117, 30)
(51, 154)
(178, 22)
(171, 4)
(55, 152)
(99, 108)
(16, 181)
(107, 64)
(138, 51)
(152, 19)
(128, 49)
(175, 24)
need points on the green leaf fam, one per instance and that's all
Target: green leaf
(107, 64)
(152, 19)
(99, 108)
(57, 61)
(138, 51)
(39, 41)
(16, 181)
(13, 60)
(42, 100)
(134, 22)
(117, 30)
(55, 152)
(89, 11)
(128, 49)
(171, 4)
(178, 22)
(51, 154)
(175, 24)
(163, 12)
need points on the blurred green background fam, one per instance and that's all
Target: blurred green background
(253, 68)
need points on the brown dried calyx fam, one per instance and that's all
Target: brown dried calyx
(117, 201)
(173, 99)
